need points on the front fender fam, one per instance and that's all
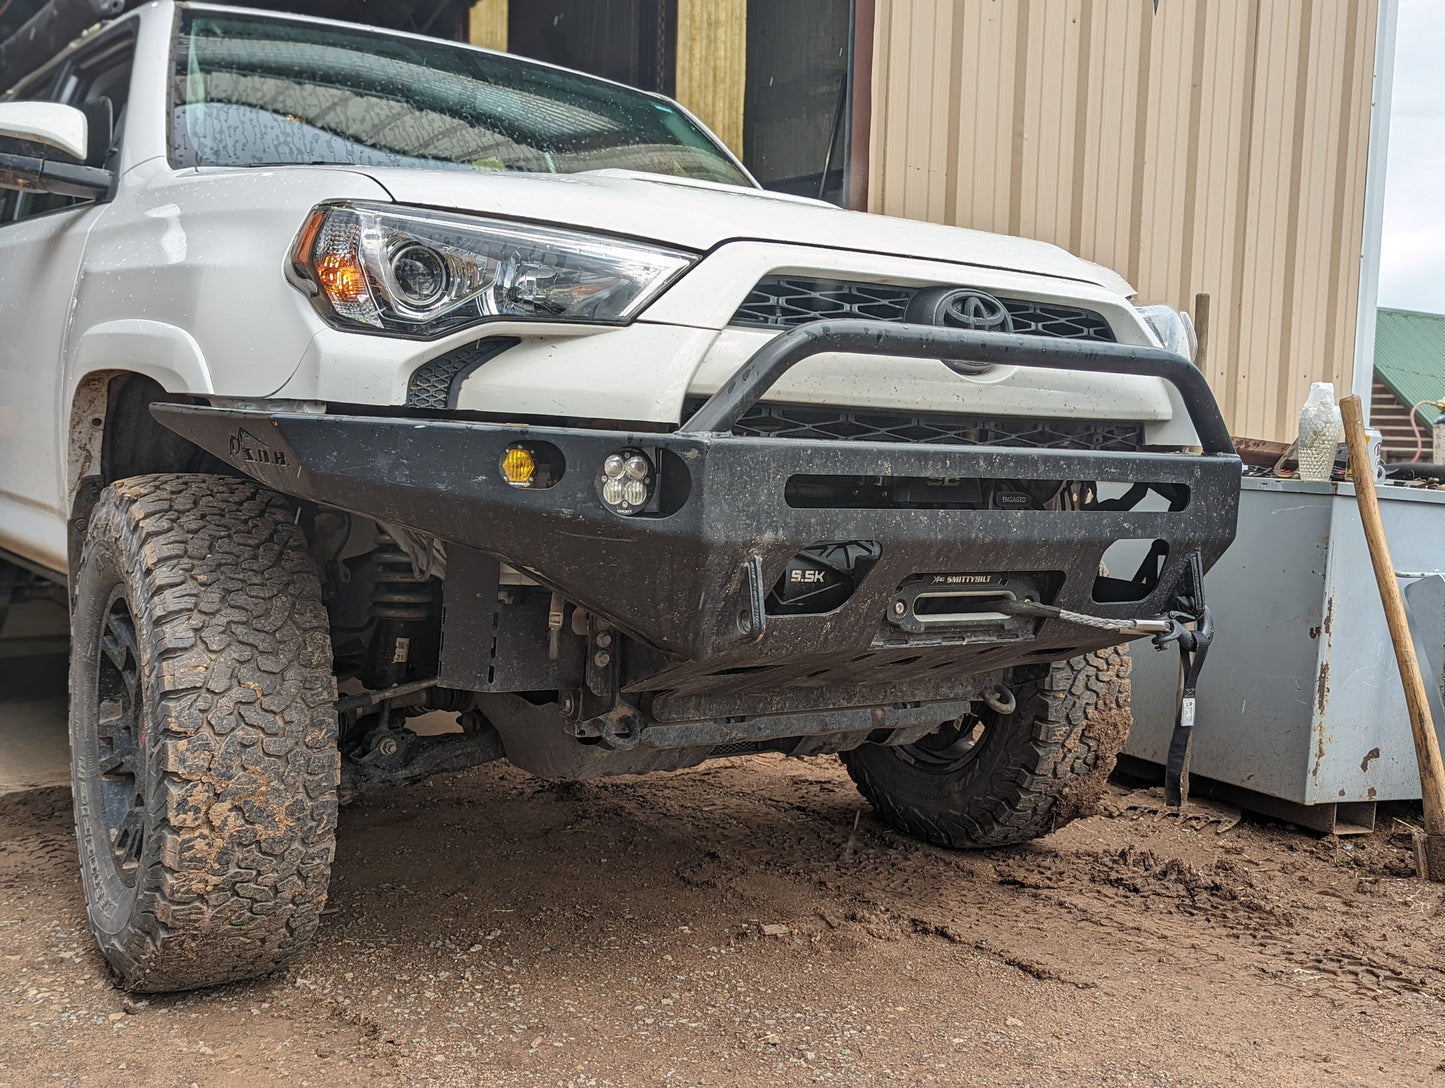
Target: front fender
(163, 352)
(167, 355)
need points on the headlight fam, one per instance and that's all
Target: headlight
(1174, 329)
(424, 273)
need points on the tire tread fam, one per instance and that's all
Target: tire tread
(1072, 740)
(235, 656)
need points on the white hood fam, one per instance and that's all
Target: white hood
(701, 215)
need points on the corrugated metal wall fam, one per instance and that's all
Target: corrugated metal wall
(1217, 146)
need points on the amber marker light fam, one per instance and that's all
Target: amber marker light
(307, 239)
(342, 278)
(519, 466)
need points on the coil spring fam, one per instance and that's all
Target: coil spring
(397, 593)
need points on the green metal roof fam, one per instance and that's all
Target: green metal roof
(1410, 356)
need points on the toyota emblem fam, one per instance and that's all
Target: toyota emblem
(968, 309)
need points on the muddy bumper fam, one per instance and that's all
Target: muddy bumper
(702, 576)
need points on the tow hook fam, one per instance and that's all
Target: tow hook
(1192, 628)
(619, 729)
(1000, 700)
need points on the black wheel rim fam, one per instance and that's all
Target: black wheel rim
(120, 738)
(952, 746)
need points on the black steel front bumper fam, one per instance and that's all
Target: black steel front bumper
(692, 584)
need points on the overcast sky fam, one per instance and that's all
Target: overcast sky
(1412, 257)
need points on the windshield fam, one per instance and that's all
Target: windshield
(253, 91)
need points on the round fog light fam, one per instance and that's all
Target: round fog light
(626, 481)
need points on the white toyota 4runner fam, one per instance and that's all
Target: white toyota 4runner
(349, 375)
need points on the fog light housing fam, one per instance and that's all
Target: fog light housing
(519, 466)
(627, 481)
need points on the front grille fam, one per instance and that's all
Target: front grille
(812, 423)
(785, 302)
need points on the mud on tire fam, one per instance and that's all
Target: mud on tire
(1001, 780)
(203, 731)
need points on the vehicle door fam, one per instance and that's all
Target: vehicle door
(42, 241)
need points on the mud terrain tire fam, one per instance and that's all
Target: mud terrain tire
(203, 731)
(1007, 779)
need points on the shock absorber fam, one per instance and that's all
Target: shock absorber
(400, 605)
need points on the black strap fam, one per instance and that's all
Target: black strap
(1192, 628)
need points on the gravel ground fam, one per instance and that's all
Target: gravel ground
(750, 922)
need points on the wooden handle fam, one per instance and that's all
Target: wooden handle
(1427, 745)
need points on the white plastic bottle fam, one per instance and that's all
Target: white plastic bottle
(1319, 432)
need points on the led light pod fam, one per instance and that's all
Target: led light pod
(519, 466)
(626, 481)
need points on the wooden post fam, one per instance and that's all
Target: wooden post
(1430, 847)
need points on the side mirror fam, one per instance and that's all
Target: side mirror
(61, 127)
(52, 126)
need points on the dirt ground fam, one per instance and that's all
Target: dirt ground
(749, 922)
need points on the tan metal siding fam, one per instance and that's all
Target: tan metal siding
(1218, 146)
